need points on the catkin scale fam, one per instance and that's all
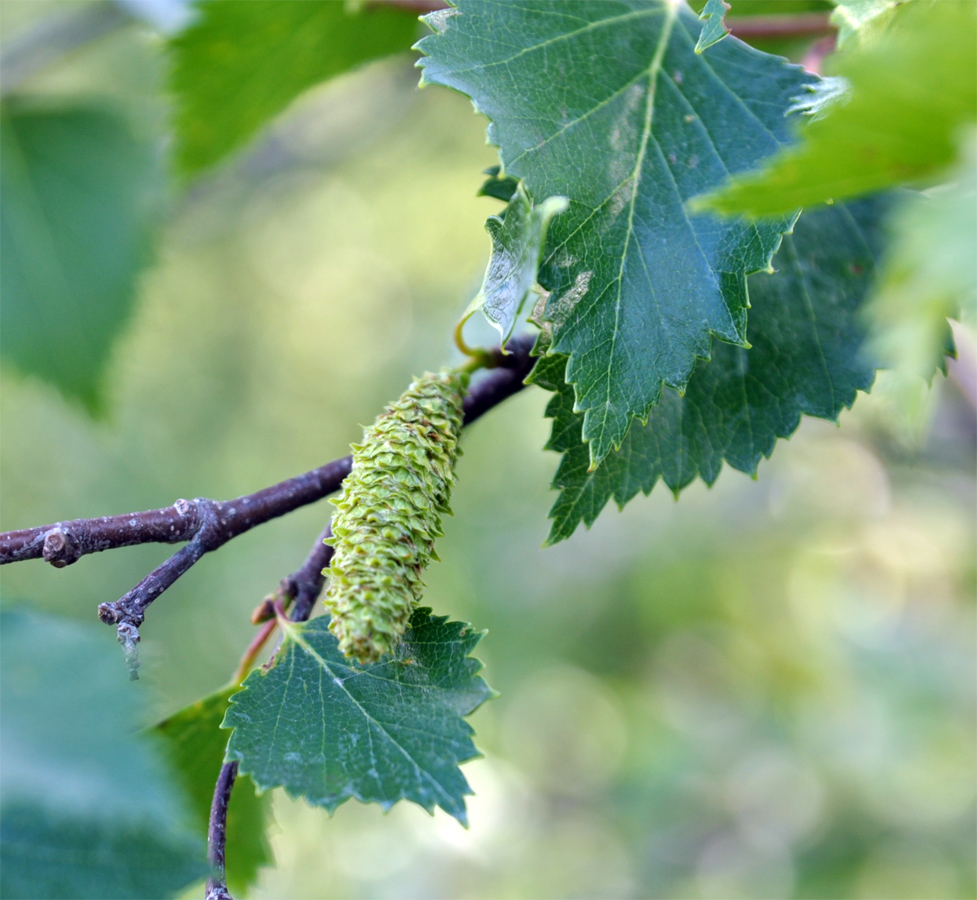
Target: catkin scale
(389, 514)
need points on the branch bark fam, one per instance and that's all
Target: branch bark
(217, 833)
(302, 589)
(746, 28)
(209, 524)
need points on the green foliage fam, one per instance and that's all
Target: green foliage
(389, 731)
(389, 514)
(807, 338)
(929, 273)
(240, 64)
(80, 194)
(88, 809)
(910, 94)
(193, 741)
(610, 105)
(629, 109)
(858, 20)
(518, 237)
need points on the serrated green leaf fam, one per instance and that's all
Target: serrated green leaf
(608, 103)
(80, 197)
(194, 743)
(326, 729)
(713, 28)
(240, 64)
(87, 807)
(807, 337)
(518, 237)
(910, 94)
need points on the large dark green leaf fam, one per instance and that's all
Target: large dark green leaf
(87, 808)
(195, 744)
(807, 335)
(608, 104)
(909, 95)
(79, 199)
(240, 64)
(327, 729)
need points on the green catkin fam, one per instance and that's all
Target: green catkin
(389, 515)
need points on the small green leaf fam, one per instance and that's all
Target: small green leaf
(713, 29)
(807, 335)
(910, 94)
(327, 729)
(518, 237)
(608, 104)
(193, 741)
(87, 808)
(240, 64)
(80, 198)
(501, 187)
(858, 20)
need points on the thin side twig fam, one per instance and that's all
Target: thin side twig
(788, 25)
(796, 25)
(217, 833)
(302, 589)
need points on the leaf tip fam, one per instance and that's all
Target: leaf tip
(714, 28)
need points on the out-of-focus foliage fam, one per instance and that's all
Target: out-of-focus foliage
(193, 741)
(87, 807)
(239, 64)
(765, 690)
(930, 271)
(861, 19)
(910, 94)
(80, 198)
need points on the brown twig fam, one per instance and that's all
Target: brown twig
(64, 543)
(746, 28)
(797, 25)
(209, 524)
(302, 588)
(217, 833)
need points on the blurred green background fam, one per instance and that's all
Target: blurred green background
(766, 689)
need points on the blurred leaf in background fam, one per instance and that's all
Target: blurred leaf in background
(88, 807)
(930, 272)
(81, 195)
(240, 64)
(910, 94)
(193, 741)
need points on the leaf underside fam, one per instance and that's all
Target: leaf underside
(807, 334)
(518, 237)
(327, 729)
(608, 104)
